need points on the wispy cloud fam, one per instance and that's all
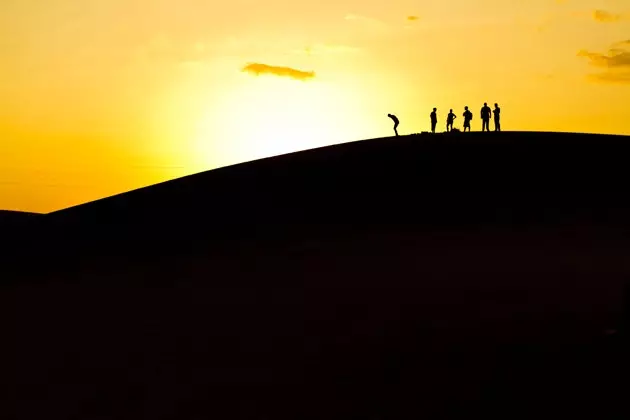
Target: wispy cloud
(616, 62)
(616, 58)
(413, 18)
(606, 17)
(257, 69)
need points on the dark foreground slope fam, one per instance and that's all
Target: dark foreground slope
(422, 276)
(13, 219)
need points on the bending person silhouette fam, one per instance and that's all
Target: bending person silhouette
(449, 121)
(485, 117)
(467, 117)
(433, 120)
(396, 122)
(497, 117)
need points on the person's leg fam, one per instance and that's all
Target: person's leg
(396, 129)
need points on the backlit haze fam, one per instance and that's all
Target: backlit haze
(98, 97)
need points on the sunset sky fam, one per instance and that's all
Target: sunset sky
(98, 97)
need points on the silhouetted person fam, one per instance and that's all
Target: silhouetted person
(450, 118)
(396, 122)
(433, 120)
(486, 112)
(467, 117)
(497, 117)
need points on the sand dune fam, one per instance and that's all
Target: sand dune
(431, 276)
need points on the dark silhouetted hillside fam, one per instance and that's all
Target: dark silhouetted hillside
(8, 217)
(431, 276)
(15, 223)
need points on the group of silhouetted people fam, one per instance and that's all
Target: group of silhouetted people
(486, 114)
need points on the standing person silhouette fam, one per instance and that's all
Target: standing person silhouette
(433, 120)
(497, 117)
(467, 117)
(449, 121)
(396, 122)
(485, 117)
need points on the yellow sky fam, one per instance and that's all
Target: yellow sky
(99, 97)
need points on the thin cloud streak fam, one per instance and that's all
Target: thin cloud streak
(606, 17)
(616, 61)
(258, 68)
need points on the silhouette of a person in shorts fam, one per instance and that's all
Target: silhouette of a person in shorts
(396, 122)
(467, 117)
(450, 118)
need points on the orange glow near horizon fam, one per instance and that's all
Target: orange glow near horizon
(102, 97)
